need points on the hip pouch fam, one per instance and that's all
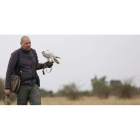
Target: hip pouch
(15, 83)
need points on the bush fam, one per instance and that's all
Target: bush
(45, 93)
(115, 87)
(71, 91)
(128, 91)
(1, 88)
(86, 93)
(100, 87)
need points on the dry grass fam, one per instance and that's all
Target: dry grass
(112, 100)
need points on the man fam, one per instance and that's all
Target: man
(24, 62)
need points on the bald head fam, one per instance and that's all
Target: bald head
(25, 43)
(24, 37)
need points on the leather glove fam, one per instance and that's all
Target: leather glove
(48, 64)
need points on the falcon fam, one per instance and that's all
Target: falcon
(50, 56)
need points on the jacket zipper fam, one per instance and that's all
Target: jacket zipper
(31, 65)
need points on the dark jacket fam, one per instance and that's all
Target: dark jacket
(23, 63)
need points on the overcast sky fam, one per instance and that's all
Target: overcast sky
(82, 57)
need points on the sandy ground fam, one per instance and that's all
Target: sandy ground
(112, 100)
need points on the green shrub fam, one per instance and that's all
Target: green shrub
(115, 87)
(71, 91)
(45, 93)
(100, 87)
(128, 91)
(1, 88)
(85, 93)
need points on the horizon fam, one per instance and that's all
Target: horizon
(82, 57)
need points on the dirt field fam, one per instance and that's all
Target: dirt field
(87, 101)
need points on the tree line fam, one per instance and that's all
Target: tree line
(100, 88)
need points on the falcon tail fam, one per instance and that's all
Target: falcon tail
(57, 57)
(56, 60)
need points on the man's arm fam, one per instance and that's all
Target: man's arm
(38, 65)
(11, 67)
(45, 65)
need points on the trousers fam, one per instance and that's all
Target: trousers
(28, 93)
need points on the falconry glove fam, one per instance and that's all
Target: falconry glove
(48, 64)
